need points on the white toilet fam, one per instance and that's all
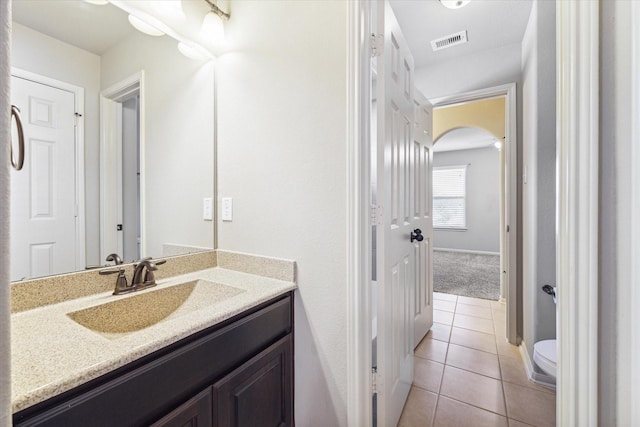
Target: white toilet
(544, 355)
(544, 352)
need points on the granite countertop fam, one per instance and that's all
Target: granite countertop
(51, 353)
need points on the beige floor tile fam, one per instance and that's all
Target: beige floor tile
(427, 374)
(514, 423)
(473, 360)
(500, 329)
(474, 310)
(432, 350)
(499, 315)
(439, 332)
(444, 317)
(473, 339)
(475, 301)
(444, 305)
(419, 408)
(446, 297)
(507, 350)
(497, 305)
(530, 406)
(474, 389)
(513, 371)
(451, 413)
(474, 323)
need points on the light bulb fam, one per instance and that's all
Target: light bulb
(454, 4)
(98, 2)
(145, 27)
(212, 27)
(497, 144)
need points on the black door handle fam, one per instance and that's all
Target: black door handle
(417, 235)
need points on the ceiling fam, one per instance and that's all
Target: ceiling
(489, 23)
(87, 26)
(464, 139)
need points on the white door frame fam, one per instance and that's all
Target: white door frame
(108, 121)
(577, 211)
(511, 147)
(78, 93)
(630, 408)
(359, 384)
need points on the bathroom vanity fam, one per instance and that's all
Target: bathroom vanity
(222, 355)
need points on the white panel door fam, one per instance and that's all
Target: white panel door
(396, 263)
(43, 193)
(421, 179)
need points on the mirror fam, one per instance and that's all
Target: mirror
(119, 130)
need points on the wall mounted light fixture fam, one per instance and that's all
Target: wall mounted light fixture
(158, 17)
(144, 26)
(213, 23)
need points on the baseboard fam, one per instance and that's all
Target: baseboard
(533, 375)
(467, 251)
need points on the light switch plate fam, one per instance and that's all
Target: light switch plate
(207, 209)
(227, 209)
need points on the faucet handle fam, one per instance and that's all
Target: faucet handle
(122, 286)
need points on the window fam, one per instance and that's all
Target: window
(449, 190)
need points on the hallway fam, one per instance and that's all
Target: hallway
(466, 374)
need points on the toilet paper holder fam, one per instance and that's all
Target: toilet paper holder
(548, 289)
(551, 290)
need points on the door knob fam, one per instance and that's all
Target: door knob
(417, 235)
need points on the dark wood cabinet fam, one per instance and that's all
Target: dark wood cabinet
(195, 412)
(256, 394)
(236, 373)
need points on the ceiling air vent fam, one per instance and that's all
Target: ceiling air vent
(449, 41)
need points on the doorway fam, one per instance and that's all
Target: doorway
(468, 202)
(122, 168)
(510, 290)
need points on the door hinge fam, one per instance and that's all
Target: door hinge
(76, 210)
(377, 41)
(77, 116)
(374, 380)
(376, 215)
(507, 228)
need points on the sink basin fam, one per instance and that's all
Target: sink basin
(124, 316)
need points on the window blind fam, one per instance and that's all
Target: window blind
(449, 191)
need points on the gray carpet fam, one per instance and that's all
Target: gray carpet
(467, 274)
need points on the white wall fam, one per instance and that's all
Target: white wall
(44, 55)
(282, 117)
(470, 72)
(179, 132)
(539, 102)
(482, 198)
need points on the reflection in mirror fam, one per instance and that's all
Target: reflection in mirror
(119, 135)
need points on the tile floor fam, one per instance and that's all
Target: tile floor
(466, 374)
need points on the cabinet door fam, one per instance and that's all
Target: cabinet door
(196, 412)
(258, 393)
